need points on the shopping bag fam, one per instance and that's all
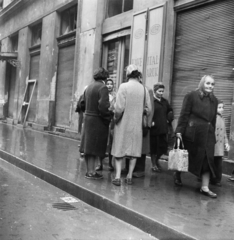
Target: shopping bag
(178, 158)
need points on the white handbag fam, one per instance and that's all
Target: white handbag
(178, 158)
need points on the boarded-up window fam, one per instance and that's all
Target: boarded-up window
(64, 85)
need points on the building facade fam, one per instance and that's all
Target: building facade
(49, 50)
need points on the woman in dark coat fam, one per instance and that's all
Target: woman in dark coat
(159, 128)
(96, 122)
(196, 125)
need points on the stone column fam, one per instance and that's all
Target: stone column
(22, 73)
(48, 70)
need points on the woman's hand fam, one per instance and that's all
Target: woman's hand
(227, 147)
(179, 135)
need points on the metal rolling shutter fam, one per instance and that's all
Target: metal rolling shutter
(205, 45)
(34, 74)
(11, 91)
(64, 86)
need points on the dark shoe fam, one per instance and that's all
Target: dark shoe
(177, 180)
(208, 194)
(99, 168)
(111, 168)
(218, 184)
(231, 179)
(128, 181)
(155, 169)
(93, 176)
(116, 181)
(138, 174)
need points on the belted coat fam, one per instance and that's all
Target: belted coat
(96, 120)
(128, 136)
(197, 125)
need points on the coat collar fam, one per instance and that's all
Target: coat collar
(203, 95)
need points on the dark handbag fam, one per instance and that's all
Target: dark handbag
(145, 128)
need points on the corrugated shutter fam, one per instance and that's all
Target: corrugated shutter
(205, 45)
(64, 85)
(11, 91)
(34, 74)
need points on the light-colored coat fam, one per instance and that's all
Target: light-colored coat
(128, 131)
(221, 136)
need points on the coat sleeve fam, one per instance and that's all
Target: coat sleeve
(225, 134)
(82, 102)
(148, 106)
(104, 104)
(150, 117)
(120, 103)
(170, 114)
(184, 114)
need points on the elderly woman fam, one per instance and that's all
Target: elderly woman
(196, 125)
(96, 122)
(129, 107)
(159, 128)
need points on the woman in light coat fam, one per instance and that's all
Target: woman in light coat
(127, 141)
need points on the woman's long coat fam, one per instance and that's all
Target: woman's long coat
(127, 139)
(96, 120)
(197, 125)
(146, 139)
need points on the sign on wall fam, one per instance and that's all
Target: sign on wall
(147, 43)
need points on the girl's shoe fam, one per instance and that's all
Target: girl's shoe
(208, 194)
(231, 179)
(93, 176)
(111, 168)
(155, 169)
(116, 181)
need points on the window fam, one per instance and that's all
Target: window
(36, 34)
(119, 6)
(14, 43)
(116, 58)
(1, 4)
(68, 20)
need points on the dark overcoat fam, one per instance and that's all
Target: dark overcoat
(162, 113)
(96, 120)
(197, 125)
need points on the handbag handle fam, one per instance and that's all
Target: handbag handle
(177, 142)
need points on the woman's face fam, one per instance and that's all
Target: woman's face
(110, 86)
(209, 85)
(159, 92)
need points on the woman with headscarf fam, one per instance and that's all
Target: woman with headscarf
(96, 122)
(163, 114)
(128, 134)
(196, 126)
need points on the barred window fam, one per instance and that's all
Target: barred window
(69, 20)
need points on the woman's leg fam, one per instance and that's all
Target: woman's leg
(111, 168)
(100, 165)
(118, 165)
(153, 160)
(205, 185)
(132, 165)
(177, 179)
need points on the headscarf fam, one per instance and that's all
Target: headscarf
(158, 85)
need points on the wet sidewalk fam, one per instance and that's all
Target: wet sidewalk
(152, 204)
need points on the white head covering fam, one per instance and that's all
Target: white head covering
(131, 68)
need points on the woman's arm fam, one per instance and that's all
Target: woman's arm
(184, 114)
(120, 103)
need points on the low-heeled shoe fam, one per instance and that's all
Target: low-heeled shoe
(116, 181)
(208, 194)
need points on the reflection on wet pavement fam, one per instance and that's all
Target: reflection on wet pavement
(155, 195)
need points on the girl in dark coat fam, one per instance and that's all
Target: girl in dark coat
(96, 122)
(196, 125)
(159, 128)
